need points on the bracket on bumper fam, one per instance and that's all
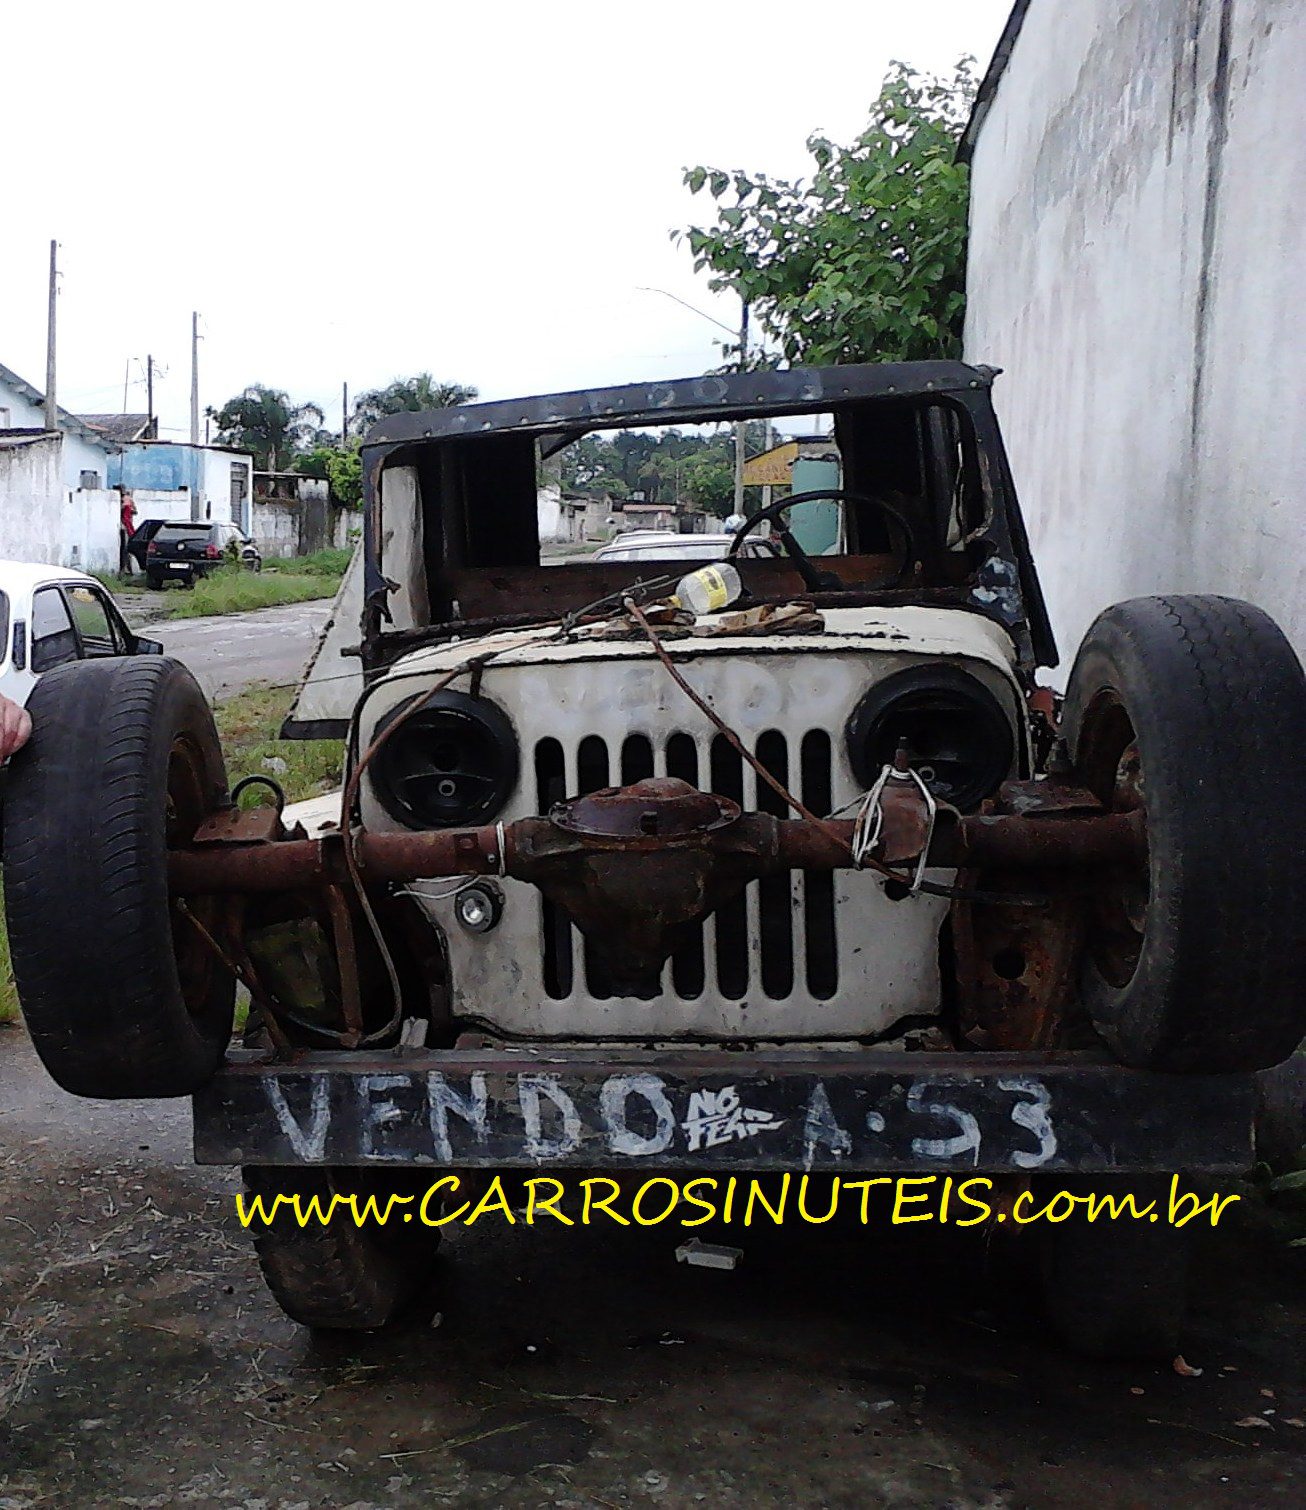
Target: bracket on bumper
(695, 1110)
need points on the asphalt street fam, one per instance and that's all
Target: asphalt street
(143, 1363)
(229, 651)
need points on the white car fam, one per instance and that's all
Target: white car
(638, 546)
(49, 615)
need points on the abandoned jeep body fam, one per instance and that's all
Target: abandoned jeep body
(603, 870)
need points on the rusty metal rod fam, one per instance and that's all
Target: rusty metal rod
(1050, 841)
(1003, 840)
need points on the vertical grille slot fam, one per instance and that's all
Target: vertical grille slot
(591, 766)
(687, 970)
(636, 759)
(791, 914)
(730, 920)
(592, 776)
(555, 926)
(820, 952)
(776, 922)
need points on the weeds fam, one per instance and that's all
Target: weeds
(118, 584)
(324, 563)
(8, 995)
(248, 725)
(234, 590)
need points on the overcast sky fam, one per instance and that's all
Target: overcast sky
(357, 192)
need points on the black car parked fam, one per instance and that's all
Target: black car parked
(139, 544)
(183, 551)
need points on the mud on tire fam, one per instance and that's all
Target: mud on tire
(339, 1276)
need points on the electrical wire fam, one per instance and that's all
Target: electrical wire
(911, 883)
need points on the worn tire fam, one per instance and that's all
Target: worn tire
(154, 581)
(1116, 1289)
(338, 1276)
(119, 1001)
(1205, 970)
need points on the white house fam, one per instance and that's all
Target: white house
(56, 504)
(86, 450)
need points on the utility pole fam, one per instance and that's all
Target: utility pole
(149, 392)
(741, 429)
(51, 406)
(194, 378)
(344, 415)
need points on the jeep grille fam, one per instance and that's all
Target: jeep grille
(779, 929)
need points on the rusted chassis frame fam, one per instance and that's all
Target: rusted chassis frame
(635, 868)
(525, 848)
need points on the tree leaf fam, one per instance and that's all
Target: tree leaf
(867, 260)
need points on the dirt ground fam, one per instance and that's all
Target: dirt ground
(142, 1363)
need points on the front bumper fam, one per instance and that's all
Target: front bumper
(749, 1110)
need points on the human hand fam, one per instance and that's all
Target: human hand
(15, 727)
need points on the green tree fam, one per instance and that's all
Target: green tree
(866, 261)
(342, 467)
(666, 466)
(709, 480)
(589, 465)
(345, 474)
(263, 421)
(409, 395)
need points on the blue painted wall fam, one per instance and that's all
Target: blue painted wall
(149, 466)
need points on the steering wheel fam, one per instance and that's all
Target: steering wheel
(813, 579)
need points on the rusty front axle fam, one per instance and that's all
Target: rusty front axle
(757, 842)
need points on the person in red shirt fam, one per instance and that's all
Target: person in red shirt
(127, 530)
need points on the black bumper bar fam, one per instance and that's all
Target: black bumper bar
(756, 1110)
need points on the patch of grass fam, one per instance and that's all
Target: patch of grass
(118, 585)
(324, 563)
(235, 590)
(248, 724)
(8, 992)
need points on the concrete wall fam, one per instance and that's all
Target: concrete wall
(549, 517)
(282, 527)
(156, 468)
(161, 503)
(1137, 266)
(589, 519)
(41, 520)
(219, 470)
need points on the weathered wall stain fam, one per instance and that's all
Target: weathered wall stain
(1136, 263)
(1218, 135)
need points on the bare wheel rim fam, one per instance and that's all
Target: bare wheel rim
(186, 808)
(1111, 766)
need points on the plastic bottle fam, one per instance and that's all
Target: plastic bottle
(710, 588)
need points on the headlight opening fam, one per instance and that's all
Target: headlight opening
(453, 763)
(954, 730)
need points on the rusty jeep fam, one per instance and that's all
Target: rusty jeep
(821, 881)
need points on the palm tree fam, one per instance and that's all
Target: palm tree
(409, 395)
(263, 421)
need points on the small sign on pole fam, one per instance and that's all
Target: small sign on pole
(771, 468)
